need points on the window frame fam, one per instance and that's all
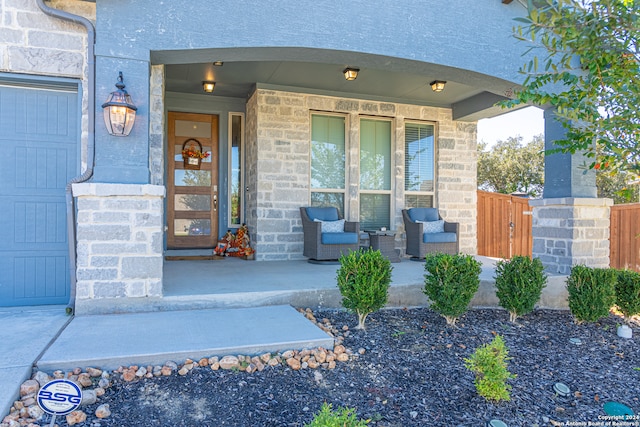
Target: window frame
(392, 166)
(343, 191)
(241, 192)
(432, 193)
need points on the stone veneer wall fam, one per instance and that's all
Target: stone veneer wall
(32, 42)
(120, 241)
(571, 231)
(278, 166)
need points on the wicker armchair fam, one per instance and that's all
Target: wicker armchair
(422, 240)
(328, 245)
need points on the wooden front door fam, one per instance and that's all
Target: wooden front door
(192, 190)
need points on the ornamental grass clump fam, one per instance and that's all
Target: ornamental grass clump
(592, 292)
(489, 363)
(451, 283)
(519, 284)
(628, 293)
(363, 280)
(341, 417)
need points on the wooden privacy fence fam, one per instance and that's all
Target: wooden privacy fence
(504, 225)
(624, 238)
(504, 229)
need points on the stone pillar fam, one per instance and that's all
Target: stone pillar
(570, 225)
(119, 244)
(571, 231)
(565, 174)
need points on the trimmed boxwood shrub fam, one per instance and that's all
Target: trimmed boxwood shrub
(519, 284)
(628, 293)
(451, 283)
(363, 280)
(592, 292)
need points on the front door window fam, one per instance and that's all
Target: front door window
(192, 187)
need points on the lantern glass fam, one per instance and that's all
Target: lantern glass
(119, 113)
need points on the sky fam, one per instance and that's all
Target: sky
(526, 122)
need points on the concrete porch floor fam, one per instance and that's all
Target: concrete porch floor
(233, 283)
(236, 283)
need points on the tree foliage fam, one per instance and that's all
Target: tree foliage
(588, 70)
(510, 166)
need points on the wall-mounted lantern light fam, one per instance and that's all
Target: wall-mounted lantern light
(351, 73)
(119, 111)
(208, 86)
(437, 85)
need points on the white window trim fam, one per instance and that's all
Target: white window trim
(393, 167)
(433, 193)
(230, 167)
(342, 191)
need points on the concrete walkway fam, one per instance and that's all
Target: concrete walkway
(109, 341)
(51, 340)
(24, 334)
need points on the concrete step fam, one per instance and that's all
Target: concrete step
(110, 341)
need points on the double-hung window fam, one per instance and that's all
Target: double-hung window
(328, 161)
(375, 174)
(419, 165)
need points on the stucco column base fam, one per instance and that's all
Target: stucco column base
(119, 243)
(570, 231)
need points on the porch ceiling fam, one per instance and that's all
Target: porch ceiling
(471, 96)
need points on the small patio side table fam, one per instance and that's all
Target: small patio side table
(384, 241)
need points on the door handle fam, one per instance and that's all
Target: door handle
(215, 202)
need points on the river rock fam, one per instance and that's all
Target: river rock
(76, 417)
(103, 411)
(29, 387)
(229, 362)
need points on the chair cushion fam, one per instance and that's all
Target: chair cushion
(439, 237)
(333, 226)
(423, 214)
(323, 214)
(339, 238)
(433, 226)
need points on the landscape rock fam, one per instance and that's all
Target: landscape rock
(76, 417)
(103, 411)
(89, 397)
(29, 387)
(94, 372)
(229, 362)
(42, 378)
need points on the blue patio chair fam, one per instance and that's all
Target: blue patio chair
(427, 232)
(326, 234)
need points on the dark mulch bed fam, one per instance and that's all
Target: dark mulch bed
(411, 374)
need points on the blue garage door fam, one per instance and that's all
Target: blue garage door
(38, 156)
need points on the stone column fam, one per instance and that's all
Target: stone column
(570, 225)
(119, 245)
(571, 231)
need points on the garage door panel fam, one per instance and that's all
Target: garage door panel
(34, 279)
(44, 115)
(38, 156)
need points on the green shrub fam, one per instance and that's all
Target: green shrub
(451, 283)
(519, 284)
(363, 280)
(342, 417)
(489, 363)
(592, 292)
(628, 293)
